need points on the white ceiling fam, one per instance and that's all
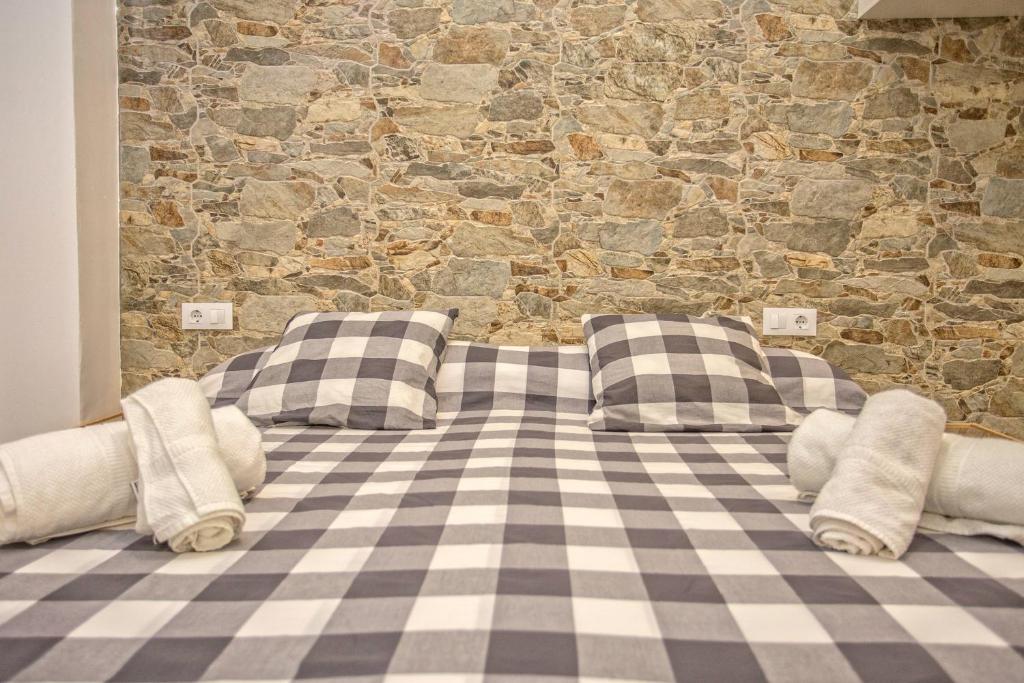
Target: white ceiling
(910, 9)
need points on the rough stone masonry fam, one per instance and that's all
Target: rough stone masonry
(529, 161)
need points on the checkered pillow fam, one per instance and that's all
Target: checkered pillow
(484, 377)
(664, 373)
(807, 382)
(355, 370)
(225, 384)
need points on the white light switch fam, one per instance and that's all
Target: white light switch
(793, 322)
(207, 316)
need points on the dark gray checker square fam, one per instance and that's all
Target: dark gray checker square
(171, 659)
(292, 539)
(700, 660)
(96, 587)
(682, 588)
(386, 584)
(20, 652)
(357, 654)
(971, 592)
(886, 662)
(512, 581)
(829, 590)
(526, 653)
(241, 587)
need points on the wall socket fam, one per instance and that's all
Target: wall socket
(792, 322)
(207, 316)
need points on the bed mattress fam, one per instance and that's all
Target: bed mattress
(514, 545)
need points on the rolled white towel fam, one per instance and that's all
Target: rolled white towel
(66, 482)
(974, 490)
(186, 496)
(872, 503)
(79, 480)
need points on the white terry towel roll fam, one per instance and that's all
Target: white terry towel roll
(186, 495)
(975, 488)
(872, 503)
(79, 480)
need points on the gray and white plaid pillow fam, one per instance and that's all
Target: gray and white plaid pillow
(667, 373)
(807, 382)
(355, 370)
(225, 383)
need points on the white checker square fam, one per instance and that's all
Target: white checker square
(384, 488)
(685, 491)
(801, 521)
(584, 486)
(312, 466)
(737, 562)
(328, 560)
(672, 467)
(723, 366)
(510, 377)
(489, 462)
(581, 464)
(348, 347)
(755, 468)
(997, 565)
(289, 618)
(451, 613)
(713, 521)
(291, 491)
(331, 390)
(599, 517)
(501, 443)
(573, 383)
(783, 623)
(476, 514)
(943, 625)
(262, 521)
(626, 618)
(432, 678)
(483, 484)
(186, 564)
(638, 329)
(67, 561)
(470, 556)
(129, 619)
(600, 559)
(658, 448)
(400, 466)
(651, 364)
(362, 519)
(777, 491)
(733, 449)
(450, 377)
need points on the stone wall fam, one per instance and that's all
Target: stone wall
(532, 161)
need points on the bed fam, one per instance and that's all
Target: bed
(514, 543)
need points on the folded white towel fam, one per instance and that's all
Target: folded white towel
(975, 488)
(78, 480)
(872, 503)
(186, 495)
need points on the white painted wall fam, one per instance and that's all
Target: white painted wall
(94, 29)
(41, 385)
(39, 357)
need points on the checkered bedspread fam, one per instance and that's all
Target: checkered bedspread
(509, 546)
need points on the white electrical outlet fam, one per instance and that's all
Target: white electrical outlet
(792, 322)
(207, 316)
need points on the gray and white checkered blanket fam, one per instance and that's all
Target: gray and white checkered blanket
(514, 545)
